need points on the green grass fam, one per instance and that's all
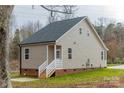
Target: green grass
(14, 74)
(110, 65)
(96, 75)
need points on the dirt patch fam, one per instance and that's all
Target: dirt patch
(97, 85)
(113, 82)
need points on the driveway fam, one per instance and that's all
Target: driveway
(117, 67)
(23, 79)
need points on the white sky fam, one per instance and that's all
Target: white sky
(24, 14)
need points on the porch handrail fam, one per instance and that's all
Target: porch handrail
(42, 67)
(50, 69)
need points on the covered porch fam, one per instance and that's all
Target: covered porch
(54, 60)
(54, 52)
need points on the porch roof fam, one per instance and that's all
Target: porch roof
(52, 32)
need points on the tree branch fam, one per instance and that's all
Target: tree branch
(52, 10)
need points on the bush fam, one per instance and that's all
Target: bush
(117, 61)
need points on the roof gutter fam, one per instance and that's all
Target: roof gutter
(38, 43)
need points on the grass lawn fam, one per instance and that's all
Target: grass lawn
(70, 80)
(14, 74)
(109, 65)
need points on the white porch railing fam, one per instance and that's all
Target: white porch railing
(50, 69)
(42, 67)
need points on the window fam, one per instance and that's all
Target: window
(69, 53)
(26, 53)
(102, 54)
(80, 31)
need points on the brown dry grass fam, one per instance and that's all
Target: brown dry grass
(14, 65)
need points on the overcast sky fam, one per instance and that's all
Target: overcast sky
(24, 14)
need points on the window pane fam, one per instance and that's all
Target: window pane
(26, 56)
(80, 30)
(69, 50)
(26, 53)
(26, 50)
(69, 56)
(102, 55)
(57, 54)
(69, 53)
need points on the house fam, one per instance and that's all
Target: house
(62, 47)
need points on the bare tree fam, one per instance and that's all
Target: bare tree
(101, 25)
(112, 45)
(56, 9)
(28, 29)
(69, 8)
(58, 12)
(101, 22)
(37, 26)
(5, 13)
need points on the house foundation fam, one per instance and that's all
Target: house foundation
(29, 72)
(58, 72)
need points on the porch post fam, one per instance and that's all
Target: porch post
(47, 54)
(55, 52)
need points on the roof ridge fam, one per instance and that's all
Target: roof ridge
(68, 19)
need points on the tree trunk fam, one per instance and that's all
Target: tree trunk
(5, 13)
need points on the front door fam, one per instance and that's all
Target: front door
(58, 54)
(59, 63)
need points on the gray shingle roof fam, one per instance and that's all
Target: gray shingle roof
(52, 32)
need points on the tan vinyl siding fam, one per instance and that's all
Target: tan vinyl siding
(37, 55)
(83, 47)
(50, 54)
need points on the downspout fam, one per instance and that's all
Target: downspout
(20, 59)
